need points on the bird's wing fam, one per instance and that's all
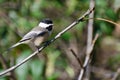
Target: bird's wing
(28, 36)
(32, 35)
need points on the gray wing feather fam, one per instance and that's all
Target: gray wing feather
(32, 35)
(28, 36)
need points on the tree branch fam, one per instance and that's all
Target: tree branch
(56, 37)
(89, 37)
(89, 45)
(87, 58)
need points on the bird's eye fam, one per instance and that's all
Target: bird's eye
(49, 28)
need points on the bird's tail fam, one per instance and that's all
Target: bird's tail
(9, 49)
(15, 45)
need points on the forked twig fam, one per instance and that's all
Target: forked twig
(87, 58)
(89, 37)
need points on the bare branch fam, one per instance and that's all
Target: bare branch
(89, 45)
(87, 59)
(56, 37)
(102, 19)
(89, 37)
(80, 62)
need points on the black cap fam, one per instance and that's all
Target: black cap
(47, 21)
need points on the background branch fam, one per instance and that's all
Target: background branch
(87, 58)
(89, 45)
(80, 62)
(89, 38)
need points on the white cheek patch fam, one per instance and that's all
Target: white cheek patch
(43, 25)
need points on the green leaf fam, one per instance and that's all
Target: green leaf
(36, 68)
(22, 71)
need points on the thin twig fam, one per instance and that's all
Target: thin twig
(102, 19)
(108, 21)
(96, 37)
(78, 59)
(87, 58)
(40, 49)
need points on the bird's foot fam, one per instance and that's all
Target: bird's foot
(38, 49)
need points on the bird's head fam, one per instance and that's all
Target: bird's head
(46, 23)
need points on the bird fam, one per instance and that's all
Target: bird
(37, 35)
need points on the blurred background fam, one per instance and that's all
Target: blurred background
(56, 62)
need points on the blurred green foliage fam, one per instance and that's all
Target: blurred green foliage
(22, 71)
(17, 17)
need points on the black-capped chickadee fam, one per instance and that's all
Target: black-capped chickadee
(37, 35)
